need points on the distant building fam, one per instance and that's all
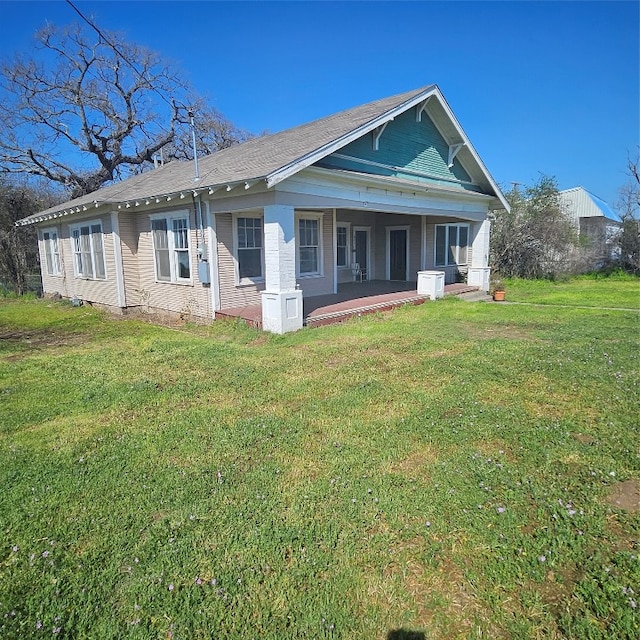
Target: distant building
(597, 224)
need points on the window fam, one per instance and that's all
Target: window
(452, 241)
(88, 251)
(342, 245)
(249, 253)
(171, 248)
(51, 252)
(309, 246)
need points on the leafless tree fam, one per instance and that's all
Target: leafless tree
(627, 251)
(535, 238)
(85, 110)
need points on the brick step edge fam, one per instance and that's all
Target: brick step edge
(340, 316)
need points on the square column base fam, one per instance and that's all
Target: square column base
(282, 311)
(479, 277)
(431, 283)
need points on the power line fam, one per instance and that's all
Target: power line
(172, 104)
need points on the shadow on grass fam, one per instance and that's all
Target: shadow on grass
(405, 634)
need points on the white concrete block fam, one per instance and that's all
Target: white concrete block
(431, 283)
(282, 311)
(479, 277)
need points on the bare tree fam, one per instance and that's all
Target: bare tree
(536, 237)
(213, 132)
(91, 109)
(627, 250)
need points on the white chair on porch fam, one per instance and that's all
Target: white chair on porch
(359, 274)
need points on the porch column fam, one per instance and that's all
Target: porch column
(281, 300)
(479, 272)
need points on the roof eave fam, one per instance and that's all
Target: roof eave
(204, 189)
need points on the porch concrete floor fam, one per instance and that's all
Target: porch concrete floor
(352, 299)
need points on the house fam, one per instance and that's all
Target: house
(379, 192)
(596, 223)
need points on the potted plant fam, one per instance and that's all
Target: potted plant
(498, 291)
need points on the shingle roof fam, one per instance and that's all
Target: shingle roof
(268, 158)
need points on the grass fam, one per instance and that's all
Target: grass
(597, 290)
(443, 470)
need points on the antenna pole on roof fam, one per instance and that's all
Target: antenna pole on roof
(193, 140)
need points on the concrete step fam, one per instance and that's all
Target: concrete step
(475, 296)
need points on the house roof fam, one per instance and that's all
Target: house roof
(584, 204)
(271, 159)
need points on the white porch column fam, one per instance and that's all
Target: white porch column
(281, 300)
(479, 272)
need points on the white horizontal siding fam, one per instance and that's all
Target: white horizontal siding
(323, 284)
(129, 244)
(184, 298)
(68, 284)
(231, 294)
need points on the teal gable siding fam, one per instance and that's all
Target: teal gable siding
(407, 149)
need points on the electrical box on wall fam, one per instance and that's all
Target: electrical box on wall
(203, 272)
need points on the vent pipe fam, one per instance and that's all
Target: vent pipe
(193, 140)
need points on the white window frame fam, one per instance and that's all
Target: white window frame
(347, 227)
(51, 245)
(237, 249)
(320, 270)
(456, 257)
(173, 250)
(79, 267)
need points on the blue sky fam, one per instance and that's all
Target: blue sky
(539, 87)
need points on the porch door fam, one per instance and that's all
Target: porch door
(361, 252)
(398, 254)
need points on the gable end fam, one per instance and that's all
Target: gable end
(406, 148)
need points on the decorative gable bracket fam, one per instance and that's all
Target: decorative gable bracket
(453, 152)
(377, 134)
(421, 108)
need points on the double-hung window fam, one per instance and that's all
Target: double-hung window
(51, 252)
(452, 242)
(88, 251)
(171, 248)
(249, 248)
(342, 245)
(309, 248)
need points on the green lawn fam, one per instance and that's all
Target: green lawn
(444, 470)
(616, 290)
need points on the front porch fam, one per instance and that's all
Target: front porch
(352, 299)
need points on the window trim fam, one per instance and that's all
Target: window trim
(318, 217)
(236, 249)
(169, 217)
(347, 227)
(456, 258)
(92, 249)
(56, 258)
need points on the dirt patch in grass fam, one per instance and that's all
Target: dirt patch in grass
(415, 465)
(444, 603)
(558, 586)
(39, 339)
(625, 495)
(506, 331)
(583, 438)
